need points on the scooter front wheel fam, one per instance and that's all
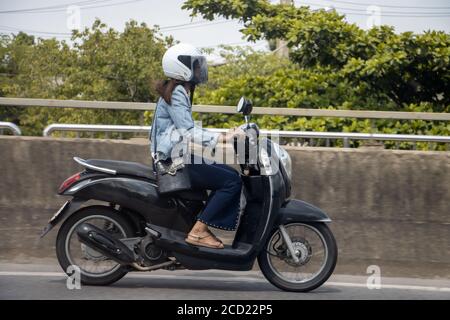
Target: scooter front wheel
(316, 255)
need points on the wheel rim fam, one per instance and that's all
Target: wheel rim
(310, 247)
(91, 262)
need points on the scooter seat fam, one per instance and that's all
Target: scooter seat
(124, 167)
(140, 170)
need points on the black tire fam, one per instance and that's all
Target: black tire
(67, 226)
(272, 277)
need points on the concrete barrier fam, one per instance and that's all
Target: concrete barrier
(390, 208)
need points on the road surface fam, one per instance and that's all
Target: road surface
(30, 281)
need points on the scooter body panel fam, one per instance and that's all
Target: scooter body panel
(261, 216)
(248, 242)
(301, 211)
(134, 194)
(171, 220)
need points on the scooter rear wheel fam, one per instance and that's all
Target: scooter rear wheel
(279, 267)
(95, 269)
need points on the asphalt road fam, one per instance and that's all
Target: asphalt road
(47, 282)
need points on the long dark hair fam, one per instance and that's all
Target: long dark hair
(166, 87)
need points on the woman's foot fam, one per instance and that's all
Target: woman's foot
(200, 235)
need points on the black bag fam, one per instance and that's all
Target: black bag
(171, 175)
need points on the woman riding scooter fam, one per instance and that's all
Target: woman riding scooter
(186, 67)
(146, 222)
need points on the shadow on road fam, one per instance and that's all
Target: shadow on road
(227, 284)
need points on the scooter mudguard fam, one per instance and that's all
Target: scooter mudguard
(136, 194)
(67, 209)
(300, 211)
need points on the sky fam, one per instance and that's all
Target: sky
(47, 18)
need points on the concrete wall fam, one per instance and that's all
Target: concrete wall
(390, 208)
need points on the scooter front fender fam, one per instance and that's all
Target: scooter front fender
(300, 211)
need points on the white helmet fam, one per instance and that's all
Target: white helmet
(185, 62)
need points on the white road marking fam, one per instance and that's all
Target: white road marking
(389, 286)
(32, 274)
(229, 279)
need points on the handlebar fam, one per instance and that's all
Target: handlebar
(250, 146)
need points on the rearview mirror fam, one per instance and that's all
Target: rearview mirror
(244, 106)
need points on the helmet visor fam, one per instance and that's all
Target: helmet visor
(199, 69)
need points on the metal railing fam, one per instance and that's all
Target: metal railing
(229, 110)
(345, 136)
(10, 126)
(94, 128)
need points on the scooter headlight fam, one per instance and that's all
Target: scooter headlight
(268, 165)
(285, 159)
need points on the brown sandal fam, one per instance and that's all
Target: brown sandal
(195, 240)
(214, 236)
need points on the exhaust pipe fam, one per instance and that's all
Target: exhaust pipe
(104, 243)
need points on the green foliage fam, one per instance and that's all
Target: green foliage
(273, 82)
(405, 68)
(332, 64)
(102, 65)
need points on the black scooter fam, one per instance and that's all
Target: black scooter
(137, 229)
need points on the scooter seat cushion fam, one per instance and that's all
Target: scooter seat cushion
(125, 167)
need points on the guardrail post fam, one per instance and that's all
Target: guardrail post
(10, 126)
(346, 143)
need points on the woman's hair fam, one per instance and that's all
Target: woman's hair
(166, 87)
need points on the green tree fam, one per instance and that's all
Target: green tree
(405, 68)
(102, 65)
(273, 82)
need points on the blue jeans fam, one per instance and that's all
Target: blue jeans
(222, 208)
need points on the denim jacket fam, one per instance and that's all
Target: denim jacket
(174, 122)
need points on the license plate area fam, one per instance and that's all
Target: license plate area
(64, 206)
